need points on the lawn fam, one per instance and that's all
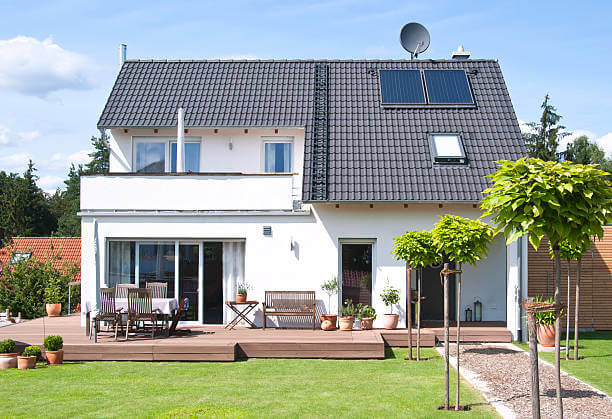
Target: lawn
(596, 367)
(256, 387)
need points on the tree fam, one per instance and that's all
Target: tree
(543, 142)
(463, 241)
(563, 201)
(583, 151)
(99, 162)
(416, 248)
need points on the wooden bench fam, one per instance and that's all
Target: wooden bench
(289, 303)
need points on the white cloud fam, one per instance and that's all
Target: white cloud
(10, 138)
(38, 68)
(605, 142)
(28, 136)
(50, 183)
(238, 57)
(80, 157)
(63, 161)
(17, 162)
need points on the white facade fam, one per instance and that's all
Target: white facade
(304, 248)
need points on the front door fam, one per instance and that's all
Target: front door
(356, 273)
(432, 306)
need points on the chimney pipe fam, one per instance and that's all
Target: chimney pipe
(122, 54)
(460, 54)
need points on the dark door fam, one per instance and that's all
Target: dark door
(432, 307)
(357, 273)
(189, 256)
(213, 283)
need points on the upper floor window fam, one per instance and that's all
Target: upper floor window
(447, 149)
(192, 157)
(150, 157)
(278, 156)
(158, 154)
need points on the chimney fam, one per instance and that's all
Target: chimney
(460, 54)
(122, 54)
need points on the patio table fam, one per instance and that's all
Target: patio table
(241, 314)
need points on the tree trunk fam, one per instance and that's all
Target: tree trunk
(458, 334)
(577, 309)
(409, 310)
(418, 308)
(446, 342)
(569, 295)
(533, 356)
(558, 329)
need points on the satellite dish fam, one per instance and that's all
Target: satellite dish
(414, 38)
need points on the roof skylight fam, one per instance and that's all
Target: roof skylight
(447, 149)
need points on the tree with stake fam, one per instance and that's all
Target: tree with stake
(416, 248)
(563, 201)
(463, 241)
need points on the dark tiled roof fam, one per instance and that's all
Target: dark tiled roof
(375, 153)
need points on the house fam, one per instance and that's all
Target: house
(68, 250)
(296, 171)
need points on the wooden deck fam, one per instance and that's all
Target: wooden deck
(218, 344)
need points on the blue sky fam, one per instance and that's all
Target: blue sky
(58, 59)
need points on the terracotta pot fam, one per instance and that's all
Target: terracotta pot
(332, 318)
(346, 322)
(8, 360)
(328, 326)
(390, 321)
(26, 362)
(367, 323)
(55, 357)
(546, 334)
(241, 298)
(54, 310)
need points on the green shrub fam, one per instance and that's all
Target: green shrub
(7, 346)
(55, 290)
(53, 343)
(33, 351)
(348, 309)
(367, 311)
(390, 296)
(546, 317)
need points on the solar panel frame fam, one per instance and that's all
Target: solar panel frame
(421, 93)
(429, 89)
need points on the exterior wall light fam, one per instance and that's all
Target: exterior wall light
(477, 311)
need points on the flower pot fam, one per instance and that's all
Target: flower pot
(390, 321)
(367, 323)
(8, 360)
(546, 334)
(26, 362)
(332, 318)
(53, 310)
(346, 322)
(55, 357)
(241, 298)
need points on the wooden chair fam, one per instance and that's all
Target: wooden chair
(107, 313)
(140, 308)
(289, 303)
(159, 289)
(122, 290)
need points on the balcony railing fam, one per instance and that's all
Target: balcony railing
(188, 192)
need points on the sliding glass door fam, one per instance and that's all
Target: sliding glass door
(189, 279)
(213, 283)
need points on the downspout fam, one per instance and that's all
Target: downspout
(180, 142)
(519, 291)
(96, 259)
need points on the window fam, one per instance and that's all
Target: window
(277, 157)
(447, 149)
(156, 264)
(192, 157)
(121, 263)
(20, 256)
(150, 157)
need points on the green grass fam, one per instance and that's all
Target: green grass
(392, 387)
(596, 367)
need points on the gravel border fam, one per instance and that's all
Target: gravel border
(501, 373)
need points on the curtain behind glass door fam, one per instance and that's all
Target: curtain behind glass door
(156, 264)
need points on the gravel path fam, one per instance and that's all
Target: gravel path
(501, 372)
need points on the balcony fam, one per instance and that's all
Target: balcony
(189, 192)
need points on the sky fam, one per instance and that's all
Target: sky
(59, 59)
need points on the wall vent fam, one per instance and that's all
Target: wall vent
(267, 230)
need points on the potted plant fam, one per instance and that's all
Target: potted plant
(53, 297)
(545, 325)
(27, 360)
(53, 349)
(331, 288)
(390, 296)
(8, 356)
(347, 315)
(243, 290)
(367, 315)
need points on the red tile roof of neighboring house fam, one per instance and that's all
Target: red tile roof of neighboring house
(69, 249)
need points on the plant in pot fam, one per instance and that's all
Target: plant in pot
(27, 360)
(367, 315)
(390, 296)
(330, 288)
(347, 315)
(54, 296)
(8, 356)
(243, 290)
(545, 324)
(53, 349)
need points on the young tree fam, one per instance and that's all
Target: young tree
(583, 151)
(416, 248)
(543, 142)
(99, 162)
(563, 201)
(463, 241)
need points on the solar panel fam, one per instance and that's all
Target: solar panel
(401, 87)
(448, 87)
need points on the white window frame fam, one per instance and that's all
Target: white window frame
(167, 141)
(452, 159)
(272, 140)
(187, 140)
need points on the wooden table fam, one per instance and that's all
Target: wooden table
(241, 314)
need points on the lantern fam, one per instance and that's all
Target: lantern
(468, 314)
(477, 311)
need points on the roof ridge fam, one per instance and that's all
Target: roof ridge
(307, 60)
